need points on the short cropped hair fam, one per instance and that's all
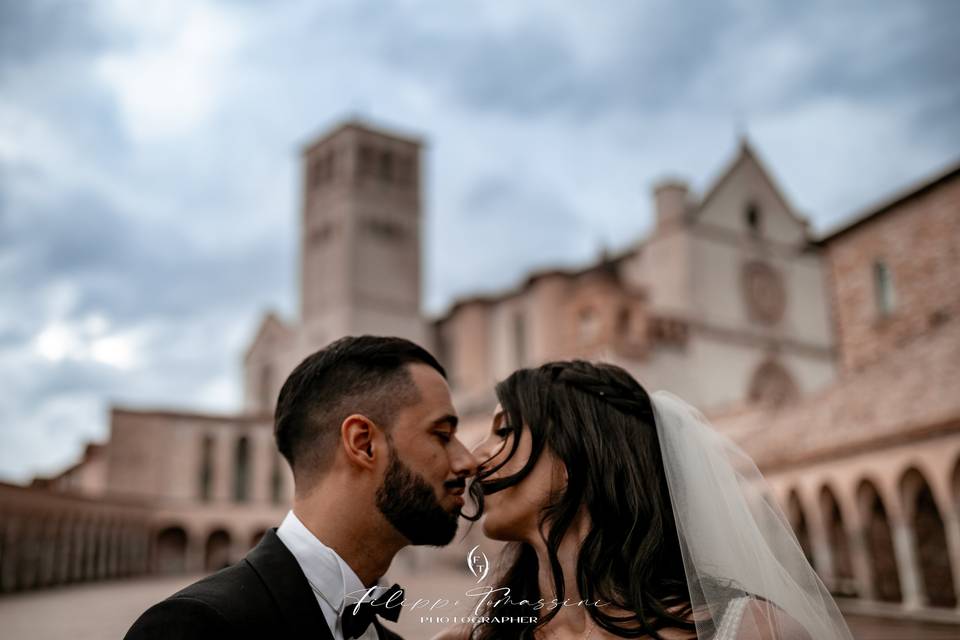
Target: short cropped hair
(367, 375)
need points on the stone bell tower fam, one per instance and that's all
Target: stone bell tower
(360, 245)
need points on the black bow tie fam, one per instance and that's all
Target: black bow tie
(355, 619)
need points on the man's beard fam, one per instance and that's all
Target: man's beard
(409, 503)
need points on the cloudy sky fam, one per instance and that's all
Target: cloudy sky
(148, 157)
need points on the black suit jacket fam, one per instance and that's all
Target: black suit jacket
(265, 595)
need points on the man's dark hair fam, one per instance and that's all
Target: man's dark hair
(367, 375)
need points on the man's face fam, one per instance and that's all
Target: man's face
(423, 485)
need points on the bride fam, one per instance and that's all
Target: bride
(629, 517)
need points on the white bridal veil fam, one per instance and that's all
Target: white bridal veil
(744, 566)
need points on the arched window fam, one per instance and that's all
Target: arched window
(798, 521)
(841, 574)
(217, 551)
(753, 218)
(170, 555)
(931, 539)
(884, 294)
(241, 470)
(885, 578)
(386, 166)
(772, 385)
(206, 468)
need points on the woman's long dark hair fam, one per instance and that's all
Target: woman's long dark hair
(597, 420)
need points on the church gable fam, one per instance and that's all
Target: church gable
(272, 333)
(747, 201)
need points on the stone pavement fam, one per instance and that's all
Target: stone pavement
(105, 610)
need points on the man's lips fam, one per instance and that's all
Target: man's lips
(457, 495)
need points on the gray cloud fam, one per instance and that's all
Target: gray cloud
(500, 222)
(32, 31)
(544, 127)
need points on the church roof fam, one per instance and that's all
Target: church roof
(893, 202)
(747, 154)
(360, 124)
(607, 263)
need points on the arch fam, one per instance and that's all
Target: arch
(79, 545)
(257, 536)
(276, 481)
(205, 479)
(47, 547)
(842, 579)
(29, 554)
(241, 469)
(171, 551)
(798, 521)
(772, 386)
(217, 550)
(64, 554)
(10, 524)
(931, 539)
(878, 538)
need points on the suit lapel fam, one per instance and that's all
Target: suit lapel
(291, 592)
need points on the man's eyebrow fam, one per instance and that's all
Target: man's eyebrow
(449, 419)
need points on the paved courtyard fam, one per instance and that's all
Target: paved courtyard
(106, 610)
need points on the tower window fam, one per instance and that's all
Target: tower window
(367, 161)
(321, 233)
(754, 219)
(321, 170)
(385, 168)
(385, 229)
(405, 171)
(883, 288)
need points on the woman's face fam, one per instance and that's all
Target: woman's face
(513, 513)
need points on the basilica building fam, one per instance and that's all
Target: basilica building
(833, 359)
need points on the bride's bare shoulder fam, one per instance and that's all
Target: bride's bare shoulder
(456, 632)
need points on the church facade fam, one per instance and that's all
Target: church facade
(833, 360)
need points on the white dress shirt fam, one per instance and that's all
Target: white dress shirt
(329, 575)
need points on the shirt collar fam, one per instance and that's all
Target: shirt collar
(326, 571)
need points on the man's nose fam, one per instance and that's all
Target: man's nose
(463, 462)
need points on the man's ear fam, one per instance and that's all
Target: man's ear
(358, 439)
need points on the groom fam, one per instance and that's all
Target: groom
(369, 429)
